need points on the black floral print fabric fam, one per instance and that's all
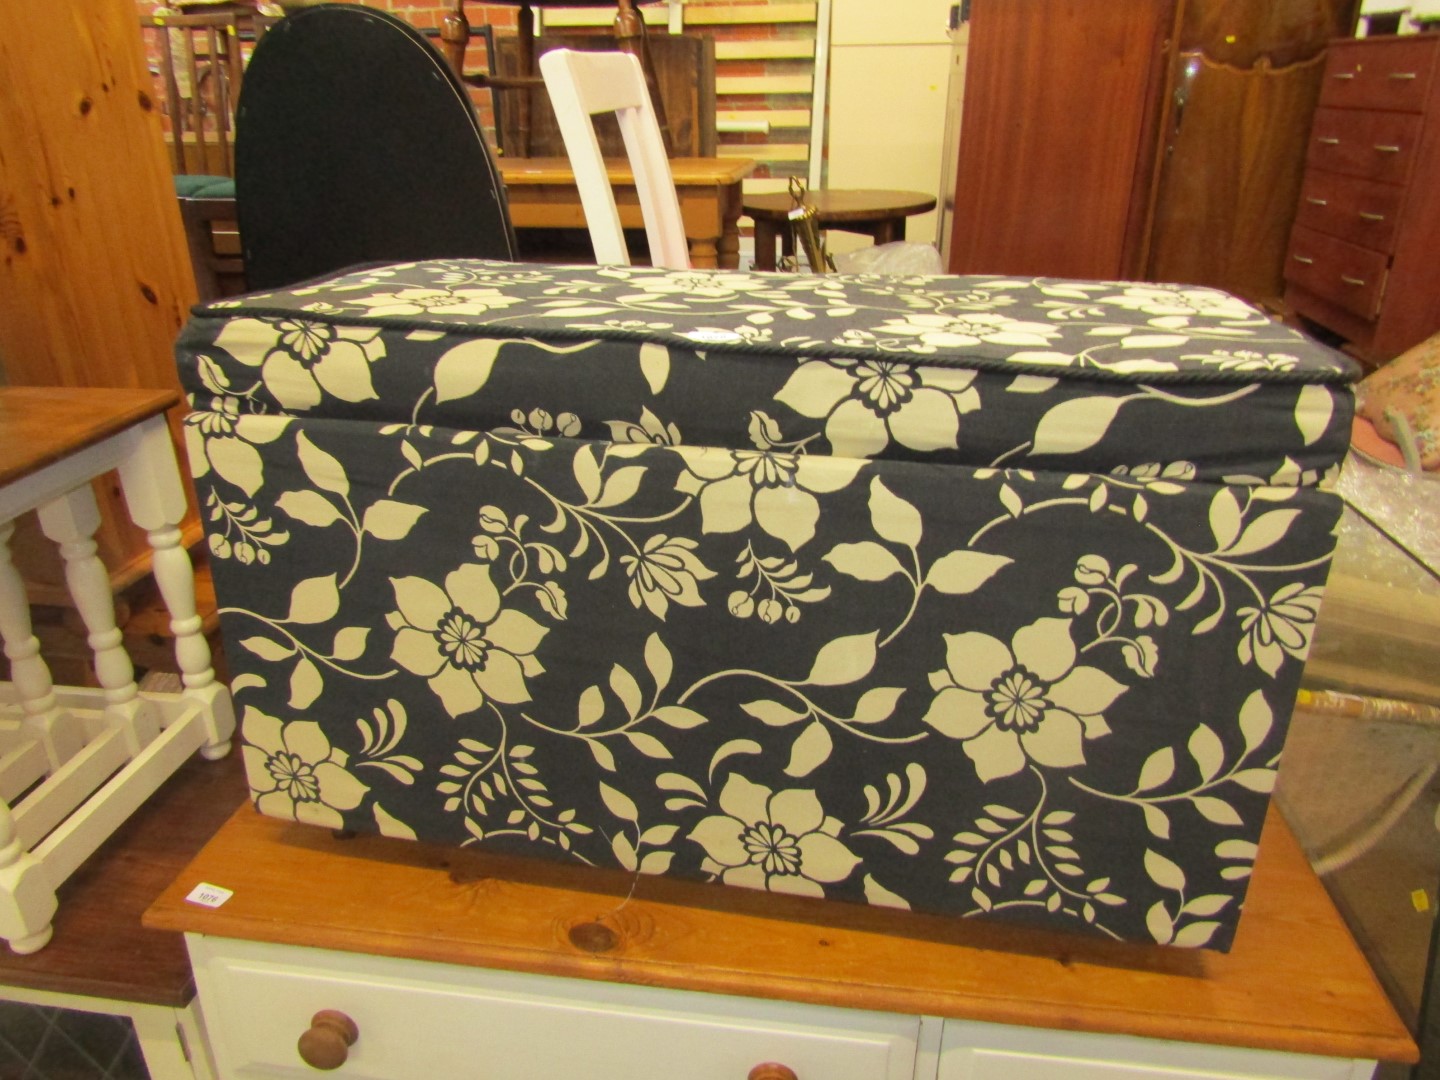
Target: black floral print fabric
(968, 596)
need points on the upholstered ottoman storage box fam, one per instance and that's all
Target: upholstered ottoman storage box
(972, 596)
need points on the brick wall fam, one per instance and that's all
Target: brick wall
(426, 15)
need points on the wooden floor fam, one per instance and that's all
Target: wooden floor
(99, 948)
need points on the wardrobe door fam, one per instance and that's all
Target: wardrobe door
(1245, 79)
(1057, 141)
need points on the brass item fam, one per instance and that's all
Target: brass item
(805, 234)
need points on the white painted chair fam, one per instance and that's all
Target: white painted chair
(582, 84)
(75, 762)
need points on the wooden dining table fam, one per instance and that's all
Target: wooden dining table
(542, 194)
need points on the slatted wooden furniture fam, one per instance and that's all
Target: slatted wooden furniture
(101, 959)
(772, 76)
(878, 214)
(543, 195)
(75, 762)
(440, 958)
(1362, 254)
(683, 66)
(200, 70)
(629, 30)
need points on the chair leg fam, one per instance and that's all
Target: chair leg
(632, 38)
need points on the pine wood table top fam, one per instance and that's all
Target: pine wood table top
(100, 949)
(1295, 980)
(688, 172)
(40, 425)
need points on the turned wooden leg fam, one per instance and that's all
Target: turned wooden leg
(150, 480)
(27, 900)
(704, 252)
(888, 231)
(455, 36)
(71, 522)
(58, 733)
(730, 228)
(764, 244)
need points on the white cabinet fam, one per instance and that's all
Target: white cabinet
(418, 946)
(975, 1051)
(436, 1021)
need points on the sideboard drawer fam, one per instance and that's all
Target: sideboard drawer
(1375, 145)
(1360, 211)
(1391, 75)
(980, 1051)
(1349, 276)
(433, 1020)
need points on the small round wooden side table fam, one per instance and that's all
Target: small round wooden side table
(877, 214)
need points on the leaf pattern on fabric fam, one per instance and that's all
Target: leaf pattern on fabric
(982, 596)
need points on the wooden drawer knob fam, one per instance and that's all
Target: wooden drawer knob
(771, 1070)
(326, 1044)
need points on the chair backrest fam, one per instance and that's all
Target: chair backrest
(356, 143)
(197, 61)
(582, 84)
(684, 73)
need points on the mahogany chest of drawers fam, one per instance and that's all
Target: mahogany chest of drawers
(1364, 257)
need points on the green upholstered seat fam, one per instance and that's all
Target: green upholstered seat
(198, 186)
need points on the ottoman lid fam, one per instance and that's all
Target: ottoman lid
(1079, 376)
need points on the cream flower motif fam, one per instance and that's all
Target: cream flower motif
(1249, 360)
(699, 284)
(773, 489)
(218, 437)
(502, 275)
(1024, 702)
(775, 840)
(868, 403)
(418, 301)
(294, 772)
(1174, 308)
(665, 570)
(959, 331)
(649, 431)
(301, 360)
(461, 639)
(1284, 625)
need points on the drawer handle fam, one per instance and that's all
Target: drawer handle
(326, 1043)
(1402, 75)
(1348, 280)
(1317, 202)
(1343, 75)
(771, 1070)
(1327, 140)
(1383, 148)
(1303, 259)
(1366, 215)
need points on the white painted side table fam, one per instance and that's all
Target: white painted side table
(86, 758)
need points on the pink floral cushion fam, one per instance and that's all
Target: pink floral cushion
(1408, 386)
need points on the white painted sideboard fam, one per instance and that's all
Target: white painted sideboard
(453, 964)
(418, 1019)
